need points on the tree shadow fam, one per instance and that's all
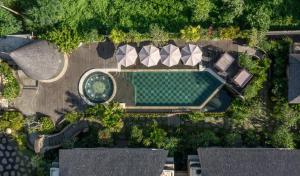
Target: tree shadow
(75, 103)
(106, 49)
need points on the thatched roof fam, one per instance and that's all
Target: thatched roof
(126, 55)
(293, 79)
(112, 162)
(249, 162)
(39, 60)
(170, 55)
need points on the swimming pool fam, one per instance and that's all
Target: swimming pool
(172, 88)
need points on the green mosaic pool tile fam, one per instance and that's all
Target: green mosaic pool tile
(172, 88)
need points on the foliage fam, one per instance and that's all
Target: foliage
(117, 36)
(232, 139)
(230, 10)
(73, 116)
(196, 116)
(66, 38)
(152, 136)
(105, 137)
(13, 120)
(158, 35)
(46, 125)
(260, 18)
(259, 69)
(45, 14)
(229, 33)
(8, 23)
(16, 122)
(190, 33)
(92, 36)
(11, 86)
(200, 9)
(40, 165)
(256, 37)
(282, 138)
(109, 115)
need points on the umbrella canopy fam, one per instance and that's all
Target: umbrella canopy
(126, 55)
(191, 55)
(170, 55)
(149, 55)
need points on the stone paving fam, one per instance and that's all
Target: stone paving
(12, 162)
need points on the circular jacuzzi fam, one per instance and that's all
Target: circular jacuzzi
(96, 86)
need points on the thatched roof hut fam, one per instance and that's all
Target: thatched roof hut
(39, 60)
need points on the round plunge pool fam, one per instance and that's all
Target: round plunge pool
(97, 87)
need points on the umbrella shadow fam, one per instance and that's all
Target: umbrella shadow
(106, 49)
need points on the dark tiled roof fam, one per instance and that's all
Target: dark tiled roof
(112, 162)
(294, 78)
(249, 162)
(39, 60)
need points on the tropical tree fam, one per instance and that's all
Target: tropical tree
(109, 115)
(45, 14)
(8, 23)
(229, 10)
(200, 9)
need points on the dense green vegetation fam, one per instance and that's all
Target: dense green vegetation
(67, 22)
(11, 87)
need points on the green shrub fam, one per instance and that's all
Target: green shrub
(13, 120)
(282, 138)
(11, 87)
(117, 36)
(229, 33)
(64, 37)
(190, 33)
(73, 116)
(46, 125)
(105, 137)
(158, 35)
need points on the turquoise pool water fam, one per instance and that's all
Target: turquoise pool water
(176, 88)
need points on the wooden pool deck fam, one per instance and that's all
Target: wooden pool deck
(54, 99)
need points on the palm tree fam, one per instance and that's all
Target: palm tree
(11, 10)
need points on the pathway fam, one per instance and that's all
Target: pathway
(44, 143)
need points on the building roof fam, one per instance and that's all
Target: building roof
(39, 60)
(293, 79)
(249, 162)
(112, 162)
(126, 55)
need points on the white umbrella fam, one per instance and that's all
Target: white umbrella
(149, 55)
(170, 55)
(126, 55)
(191, 55)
